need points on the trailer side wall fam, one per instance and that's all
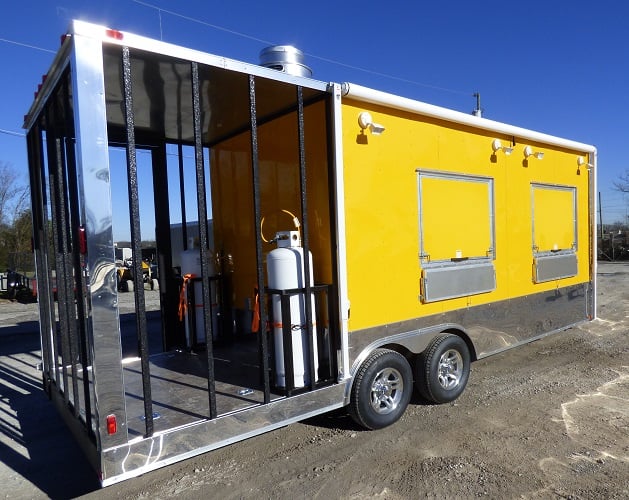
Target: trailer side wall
(542, 203)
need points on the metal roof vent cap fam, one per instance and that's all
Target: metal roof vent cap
(285, 58)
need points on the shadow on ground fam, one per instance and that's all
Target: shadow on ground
(35, 445)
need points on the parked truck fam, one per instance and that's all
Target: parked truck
(363, 245)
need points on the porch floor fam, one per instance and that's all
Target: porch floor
(179, 386)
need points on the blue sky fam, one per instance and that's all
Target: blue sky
(559, 67)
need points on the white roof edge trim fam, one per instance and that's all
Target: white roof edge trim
(89, 30)
(372, 96)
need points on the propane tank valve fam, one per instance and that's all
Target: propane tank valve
(287, 239)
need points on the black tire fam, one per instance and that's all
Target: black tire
(382, 389)
(442, 370)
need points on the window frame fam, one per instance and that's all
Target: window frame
(455, 277)
(560, 263)
(424, 257)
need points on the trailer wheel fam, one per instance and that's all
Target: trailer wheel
(442, 370)
(382, 389)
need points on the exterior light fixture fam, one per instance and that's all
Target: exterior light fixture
(582, 163)
(496, 145)
(365, 121)
(528, 151)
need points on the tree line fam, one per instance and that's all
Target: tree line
(15, 222)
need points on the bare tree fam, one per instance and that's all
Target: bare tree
(622, 184)
(13, 194)
(18, 242)
(13, 214)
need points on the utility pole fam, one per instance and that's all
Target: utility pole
(600, 215)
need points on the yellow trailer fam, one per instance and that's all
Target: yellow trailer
(359, 246)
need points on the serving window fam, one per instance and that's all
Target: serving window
(456, 235)
(554, 231)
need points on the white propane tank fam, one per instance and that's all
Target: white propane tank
(191, 265)
(285, 269)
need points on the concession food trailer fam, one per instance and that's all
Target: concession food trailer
(351, 245)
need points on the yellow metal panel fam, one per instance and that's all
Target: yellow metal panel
(232, 195)
(382, 217)
(456, 217)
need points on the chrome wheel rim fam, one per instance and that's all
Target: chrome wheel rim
(450, 369)
(386, 391)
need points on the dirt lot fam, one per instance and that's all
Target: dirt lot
(547, 420)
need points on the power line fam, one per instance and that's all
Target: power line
(314, 56)
(263, 41)
(204, 23)
(27, 45)
(9, 132)
(385, 75)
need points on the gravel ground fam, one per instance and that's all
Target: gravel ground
(547, 420)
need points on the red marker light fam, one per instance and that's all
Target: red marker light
(82, 240)
(112, 426)
(115, 34)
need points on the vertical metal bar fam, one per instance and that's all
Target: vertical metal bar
(58, 320)
(59, 223)
(77, 263)
(51, 260)
(591, 298)
(306, 244)
(173, 336)
(287, 343)
(136, 238)
(203, 235)
(323, 340)
(255, 168)
(331, 343)
(182, 198)
(66, 283)
(334, 316)
(40, 247)
(192, 312)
